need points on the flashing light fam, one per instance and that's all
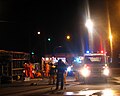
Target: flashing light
(87, 52)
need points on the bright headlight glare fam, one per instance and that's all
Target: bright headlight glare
(69, 69)
(85, 72)
(106, 71)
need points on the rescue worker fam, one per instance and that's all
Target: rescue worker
(65, 75)
(47, 70)
(61, 67)
(52, 73)
(26, 69)
(30, 70)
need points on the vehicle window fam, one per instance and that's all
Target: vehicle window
(94, 59)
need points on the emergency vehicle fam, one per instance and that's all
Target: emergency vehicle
(94, 68)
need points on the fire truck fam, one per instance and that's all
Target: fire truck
(95, 67)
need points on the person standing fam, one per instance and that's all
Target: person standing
(61, 67)
(30, 70)
(47, 70)
(26, 66)
(52, 73)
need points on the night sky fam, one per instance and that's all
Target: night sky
(21, 20)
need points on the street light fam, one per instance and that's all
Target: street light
(111, 46)
(89, 25)
(68, 37)
(110, 37)
(38, 33)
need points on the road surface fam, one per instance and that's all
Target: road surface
(112, 88)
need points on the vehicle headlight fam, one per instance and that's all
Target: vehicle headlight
(106, 71)
(85, 72)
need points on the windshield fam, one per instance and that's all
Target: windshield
(94, 59)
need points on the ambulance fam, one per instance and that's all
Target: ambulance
(95, 67)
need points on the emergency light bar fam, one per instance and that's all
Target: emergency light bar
(87, 52)
(93, 54)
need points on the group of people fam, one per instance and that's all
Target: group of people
(57, 73)
(28, 69)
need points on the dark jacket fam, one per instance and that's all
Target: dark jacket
(61, 67)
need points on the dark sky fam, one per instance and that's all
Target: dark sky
(21, 20)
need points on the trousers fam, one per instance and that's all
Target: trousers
(60, 78)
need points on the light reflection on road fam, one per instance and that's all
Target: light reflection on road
(105, 92)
